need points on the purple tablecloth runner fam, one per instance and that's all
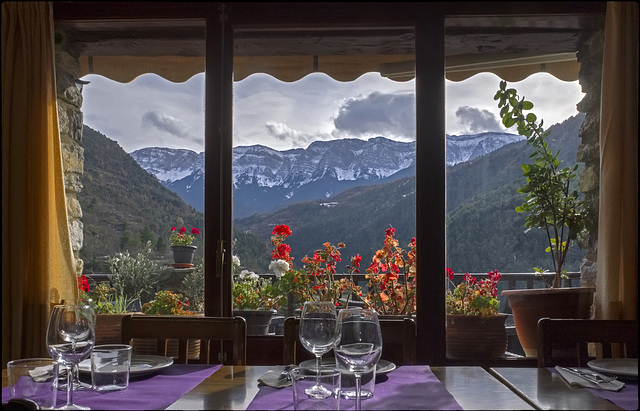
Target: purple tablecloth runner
(152, 393)
(626, 398)
(405, 388)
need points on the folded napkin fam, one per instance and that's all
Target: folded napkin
(577, 381)
(277, 377)
(44, 373)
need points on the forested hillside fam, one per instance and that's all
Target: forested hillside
(124, 206)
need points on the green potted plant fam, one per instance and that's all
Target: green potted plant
(553, 205)
(110, 307)
(254, 299)
(392, 278)
(181, 245)
(475, 328)
(166, 303)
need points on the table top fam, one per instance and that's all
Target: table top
(546, 390)
(234, 387)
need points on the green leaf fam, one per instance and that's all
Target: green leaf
(527, 105)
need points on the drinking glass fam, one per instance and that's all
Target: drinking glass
(359, 344)
(70, 339)
(318, 335)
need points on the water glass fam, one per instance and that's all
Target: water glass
(34, 379)
(302, 379)
(348, 383)
(110, 367)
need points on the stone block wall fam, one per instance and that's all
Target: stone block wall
(70, 120)
(590, 75)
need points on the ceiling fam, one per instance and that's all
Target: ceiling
(175, 48)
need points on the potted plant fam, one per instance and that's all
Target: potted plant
(166, 303)
(392, 278)
(254, 299)
(110, 306)
(551, 204)
(181, 245)
(475, 328)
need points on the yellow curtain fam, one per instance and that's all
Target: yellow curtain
(617, 280)
(38, 268)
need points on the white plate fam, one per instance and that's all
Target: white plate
(383, 366)
(627, 367)
(140, 364)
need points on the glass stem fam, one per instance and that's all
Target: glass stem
(318, 365)
(358, 376)
(70, 370)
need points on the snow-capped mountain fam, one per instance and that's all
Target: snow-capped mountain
(265, 179)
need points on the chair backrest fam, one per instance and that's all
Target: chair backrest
(216, 335)
(565, 341)
(398, 336)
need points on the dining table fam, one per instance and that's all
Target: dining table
(205, 387)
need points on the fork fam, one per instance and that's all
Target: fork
(591, 376)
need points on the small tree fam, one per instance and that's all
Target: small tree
(550, 202)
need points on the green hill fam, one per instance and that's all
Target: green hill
(124, 206)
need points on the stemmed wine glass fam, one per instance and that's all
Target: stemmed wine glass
(359, 343)
(70, 339)
(318, 334)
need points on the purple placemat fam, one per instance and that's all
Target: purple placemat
(626, 398)
(152, 393)
(405, 388)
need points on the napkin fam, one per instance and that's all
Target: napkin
(275, 377)
(41, 374)
(577, 381)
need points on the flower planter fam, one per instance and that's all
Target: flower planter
(183, 254)
(258, 321)
(529, 305)
(109, 328)
(476, 336)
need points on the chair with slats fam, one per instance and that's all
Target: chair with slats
(565, 341)
(216, 334)
(398, 337)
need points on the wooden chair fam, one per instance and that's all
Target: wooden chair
(216, 335)
(565, 342)
(398, 336)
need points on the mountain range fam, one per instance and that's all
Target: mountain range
(265, 179)
(124, 205)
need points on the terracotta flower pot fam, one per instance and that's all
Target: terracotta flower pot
(476, 336)
(529, 305)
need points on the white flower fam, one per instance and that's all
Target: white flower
(279, 267)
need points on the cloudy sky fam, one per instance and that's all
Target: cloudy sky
(153, 112)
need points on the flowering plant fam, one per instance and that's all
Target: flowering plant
(106, 299)
(315, 280)
(392, 277)
(473, 297)
(180, 236)
(252, 292)
(167, 303)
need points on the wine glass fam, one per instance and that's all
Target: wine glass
(70, 339)
(79, 385)
(318, 334)
(359, 343)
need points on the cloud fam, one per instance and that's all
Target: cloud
(165, 123)
(476, 120)
(386, 114)
(293, 138)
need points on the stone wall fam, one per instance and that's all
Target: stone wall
(70, 120)
(590, 58)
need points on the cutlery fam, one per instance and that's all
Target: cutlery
(590, 376)
(284, 375)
